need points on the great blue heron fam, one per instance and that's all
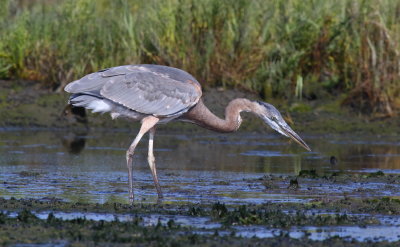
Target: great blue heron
(155, 94)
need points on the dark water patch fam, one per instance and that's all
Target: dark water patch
(366, 142)
(16, 152)
(384, 155)
(105, 148)
(385, 171)
(29, 174)
(266, 153)
(49, 244)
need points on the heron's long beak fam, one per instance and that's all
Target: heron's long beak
(290, 133)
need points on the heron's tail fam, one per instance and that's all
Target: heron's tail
(90, 101)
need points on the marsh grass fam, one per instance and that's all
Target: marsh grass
(331, 47)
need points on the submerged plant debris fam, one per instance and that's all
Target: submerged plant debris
(20, 223)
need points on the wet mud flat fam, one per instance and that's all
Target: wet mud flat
(328, 220)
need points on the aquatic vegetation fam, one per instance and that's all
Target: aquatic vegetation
(219, 210)
(273, 217)
(384, 205)
(27, 227)
(340, 175)
(308, 173)
(276, 48)
(376, 174)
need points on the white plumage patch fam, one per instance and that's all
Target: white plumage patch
(99, 106)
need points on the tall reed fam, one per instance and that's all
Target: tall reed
(331, 47)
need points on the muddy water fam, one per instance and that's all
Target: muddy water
(203, 167)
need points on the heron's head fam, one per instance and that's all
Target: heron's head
(273, 118)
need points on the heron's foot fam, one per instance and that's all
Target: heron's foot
(158, 187)
(153, 169)
(159, 192)
(131, 197)
(129, 156)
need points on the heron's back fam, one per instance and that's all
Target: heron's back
(145, 89)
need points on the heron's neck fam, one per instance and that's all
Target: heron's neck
(203, 117)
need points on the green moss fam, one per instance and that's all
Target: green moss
(300, 108)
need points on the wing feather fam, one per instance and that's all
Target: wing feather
(89, 83)
(95, 81)
(151, 93)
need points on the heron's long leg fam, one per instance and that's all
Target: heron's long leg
(147, 124)
(152, 162)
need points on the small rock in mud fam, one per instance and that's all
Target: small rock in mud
(29, 174)
(333, 161)
(119, 191)
(221, 183)
(268, 184)
(169, 174)
(294, 184)
(308, 173)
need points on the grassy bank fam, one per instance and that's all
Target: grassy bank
(283, 49)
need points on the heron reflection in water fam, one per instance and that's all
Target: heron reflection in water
(74, 141)
(155, 94)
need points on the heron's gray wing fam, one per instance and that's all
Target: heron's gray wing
(95, 81)
(152, 93)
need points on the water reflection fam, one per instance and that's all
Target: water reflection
(74, 143)
(202, 167)
(75, 139)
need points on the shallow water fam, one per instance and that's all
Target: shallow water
(203, 167)
(196, 168)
